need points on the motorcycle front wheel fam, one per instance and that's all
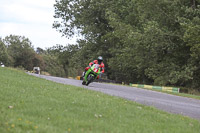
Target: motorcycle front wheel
(89, 79)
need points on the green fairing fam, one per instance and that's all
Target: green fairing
(90, 70)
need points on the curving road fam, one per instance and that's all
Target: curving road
(170, 103)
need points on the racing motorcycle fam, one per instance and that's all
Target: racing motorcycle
(91, 74)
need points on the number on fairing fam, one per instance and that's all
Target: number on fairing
(95, 70)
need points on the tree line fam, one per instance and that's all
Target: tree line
(18, 51)
(142, 41)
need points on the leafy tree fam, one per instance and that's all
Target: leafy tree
(3, 53)
(52, 66)
(65, 58)
(20, 50)
(190, 25)
(40, 50)
(142, 41)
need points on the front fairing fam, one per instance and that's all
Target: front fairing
(94, 71)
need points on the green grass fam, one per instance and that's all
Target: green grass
(30, 104)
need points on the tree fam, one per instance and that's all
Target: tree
(20, 50)
(190, 25)
(143, 41)
(40, 50)
(3, 53)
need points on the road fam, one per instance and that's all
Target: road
(166, 102)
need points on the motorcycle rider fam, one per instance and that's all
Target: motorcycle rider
(98, 61)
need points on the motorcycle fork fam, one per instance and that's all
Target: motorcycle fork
(86, 75)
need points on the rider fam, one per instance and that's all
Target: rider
(98, 61)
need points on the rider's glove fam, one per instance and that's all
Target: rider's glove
(91, 65)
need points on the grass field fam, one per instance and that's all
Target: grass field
(29, 104)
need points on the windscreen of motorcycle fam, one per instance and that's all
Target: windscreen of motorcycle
(96, 68)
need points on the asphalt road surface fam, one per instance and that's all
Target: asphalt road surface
(166, 102)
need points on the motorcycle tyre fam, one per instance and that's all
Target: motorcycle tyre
(83, 83)
(90, 80)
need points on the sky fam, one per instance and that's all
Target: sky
(32, 19)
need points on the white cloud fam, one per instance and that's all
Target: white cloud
(32, 19)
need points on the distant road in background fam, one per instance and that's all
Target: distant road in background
(166, 102)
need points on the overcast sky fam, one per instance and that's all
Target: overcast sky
(32, 19)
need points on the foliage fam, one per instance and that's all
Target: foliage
(20, 50)
(52, 66)
(20, 53)
(3, 53)
(143, 41)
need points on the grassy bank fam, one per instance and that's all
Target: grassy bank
(30, 104)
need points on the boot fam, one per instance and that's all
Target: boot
(83, 74)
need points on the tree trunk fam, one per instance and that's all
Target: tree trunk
(193, 3)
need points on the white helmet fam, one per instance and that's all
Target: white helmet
(100, 59)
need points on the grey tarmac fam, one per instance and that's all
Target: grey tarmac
(166, 102)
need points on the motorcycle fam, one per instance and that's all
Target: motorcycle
(91, 74)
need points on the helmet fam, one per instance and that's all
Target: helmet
(100, 59)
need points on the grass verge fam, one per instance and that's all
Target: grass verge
(30, 104)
